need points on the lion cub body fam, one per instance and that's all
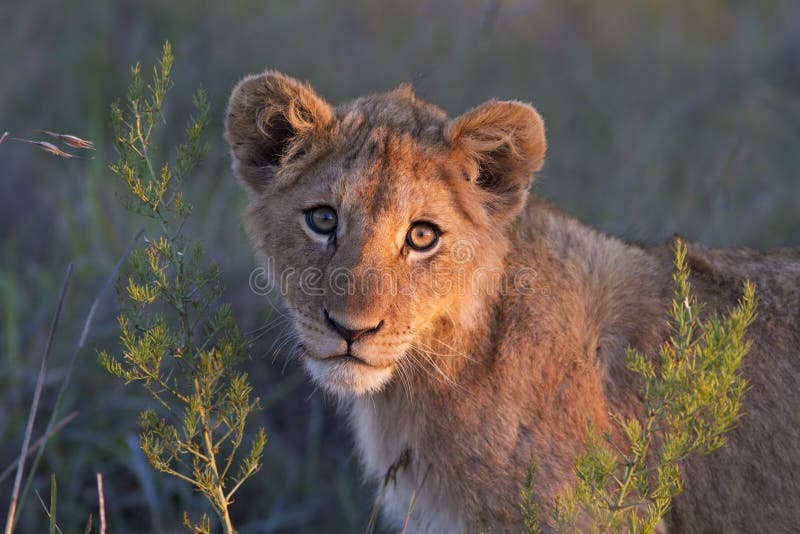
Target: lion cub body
(459, 385)
(559, 359)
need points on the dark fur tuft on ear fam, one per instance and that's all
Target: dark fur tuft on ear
(503, 144)
(271, 120)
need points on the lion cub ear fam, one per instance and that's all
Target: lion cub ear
(502, 144)
(271, 120)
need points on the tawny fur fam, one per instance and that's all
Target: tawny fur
(474, 378)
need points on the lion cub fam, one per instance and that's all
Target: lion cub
(466, 325)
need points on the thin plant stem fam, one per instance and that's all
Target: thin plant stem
(219, 491)
(101, 503)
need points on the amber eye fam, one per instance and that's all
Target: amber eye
(322, 220)
(422, 236)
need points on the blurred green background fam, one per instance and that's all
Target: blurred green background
(662, 117)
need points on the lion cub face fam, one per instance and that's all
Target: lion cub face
(380, 220)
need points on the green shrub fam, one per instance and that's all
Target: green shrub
(692, 398)
(181, 349)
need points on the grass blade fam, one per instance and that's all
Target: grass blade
(38, 443)
(49, 513)
(68, 376)
(37, 394)
(53, 505)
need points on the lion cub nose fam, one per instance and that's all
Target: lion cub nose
(349, 334)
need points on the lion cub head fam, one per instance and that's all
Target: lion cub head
(381, 219)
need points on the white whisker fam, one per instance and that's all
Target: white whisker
(430, 358)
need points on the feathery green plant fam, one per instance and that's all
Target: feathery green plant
(692, 398)
(531, 511)
(175, 344)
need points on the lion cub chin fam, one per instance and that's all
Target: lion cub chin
(467, 326)
(346, 377)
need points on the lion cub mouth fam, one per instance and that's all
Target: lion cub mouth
(347, 374)
(349, 358)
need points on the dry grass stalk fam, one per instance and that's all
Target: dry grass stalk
(71, 140)
(102, 503)
(47, 147)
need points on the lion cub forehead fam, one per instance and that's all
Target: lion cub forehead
(400, 111)
(384, 169)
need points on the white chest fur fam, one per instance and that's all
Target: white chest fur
(382, 437)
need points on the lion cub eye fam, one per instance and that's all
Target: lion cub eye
(322, 220)
(422, 236)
